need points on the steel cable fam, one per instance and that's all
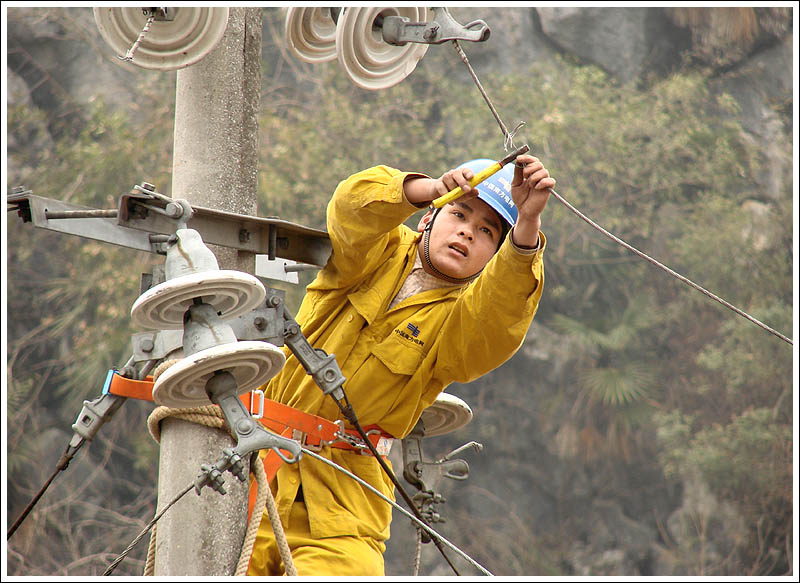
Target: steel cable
(668, 270)
(417, 552)
(67, 455)
(434, 535)
(509, 137)
(150, 525)
(347, 410)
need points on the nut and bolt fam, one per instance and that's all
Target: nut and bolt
(174, 210)
(430, 33)
(244, 426)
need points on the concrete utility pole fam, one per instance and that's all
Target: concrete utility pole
(214, 166)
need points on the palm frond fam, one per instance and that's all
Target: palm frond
(618, 386)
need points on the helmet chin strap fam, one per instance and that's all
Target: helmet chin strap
(426, 255)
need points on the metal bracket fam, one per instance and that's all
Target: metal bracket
(250, 435)
(316, 362)
(145, 219)
(426, 476)
(144, 208)
(83, 221)
(280, 269)
(397, 30)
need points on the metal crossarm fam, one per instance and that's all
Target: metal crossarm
(143, 220)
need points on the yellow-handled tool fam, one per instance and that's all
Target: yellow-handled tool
(479, 177)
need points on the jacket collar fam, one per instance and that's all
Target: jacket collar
(373, 296)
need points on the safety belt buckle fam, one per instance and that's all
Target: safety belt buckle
(260, 394)
(343, 435)
(302, 438)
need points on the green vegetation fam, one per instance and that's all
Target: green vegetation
(69, 301)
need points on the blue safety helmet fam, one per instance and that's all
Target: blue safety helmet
(496, 190)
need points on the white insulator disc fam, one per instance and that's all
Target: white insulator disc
(371, 62)
(230, 292)
(169, 44)
(446, 414)
(311, 33)
(251, 363)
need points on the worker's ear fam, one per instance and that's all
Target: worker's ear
(423, 222)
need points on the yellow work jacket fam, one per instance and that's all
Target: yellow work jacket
(395, 361)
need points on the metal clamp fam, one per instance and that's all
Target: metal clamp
(342, 435)
(383, 446)
(397, 30)
(300, 437)
(425, 476)
(250, 436)
(211, 476)
(93, 415)
(320, 365)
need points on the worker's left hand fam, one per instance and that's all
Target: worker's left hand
(531, 186)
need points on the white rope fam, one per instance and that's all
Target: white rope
(264, 499)
(129, 55)
(211, 416)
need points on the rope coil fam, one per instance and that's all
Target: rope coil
(211, 416)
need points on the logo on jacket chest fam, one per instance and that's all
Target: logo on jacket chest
(411, 332)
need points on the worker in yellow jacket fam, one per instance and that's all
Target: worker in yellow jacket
(405, 313)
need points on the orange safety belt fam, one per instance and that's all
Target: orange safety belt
(311, 430)
(281, 419)
(116, 384)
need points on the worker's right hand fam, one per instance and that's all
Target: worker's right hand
(421, 190)
(453, 179)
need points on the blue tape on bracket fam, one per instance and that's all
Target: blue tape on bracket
(107, 384)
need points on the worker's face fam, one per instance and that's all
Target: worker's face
(465, 235)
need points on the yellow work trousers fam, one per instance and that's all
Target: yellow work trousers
(332, 556)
